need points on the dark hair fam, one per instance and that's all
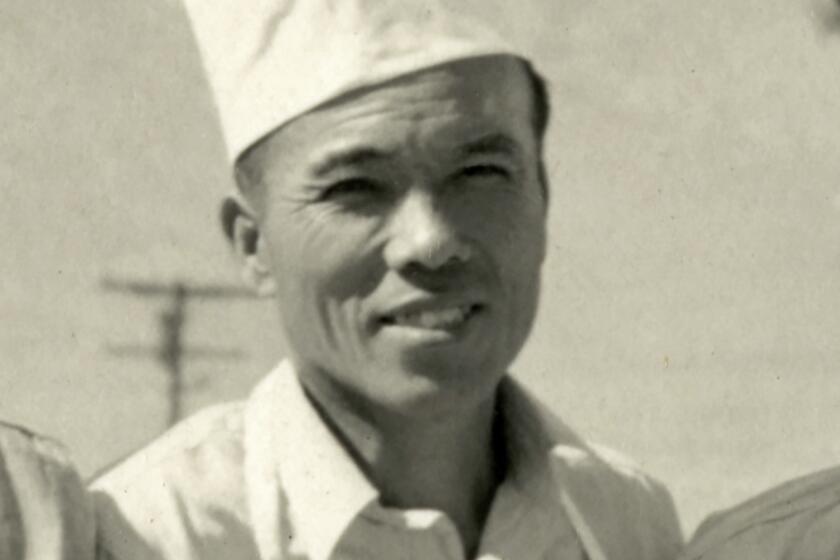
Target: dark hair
(540, 115)
(542, 102)
(247, 166)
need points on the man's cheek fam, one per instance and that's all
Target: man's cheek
(517, 244)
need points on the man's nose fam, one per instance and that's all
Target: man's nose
(422, 234)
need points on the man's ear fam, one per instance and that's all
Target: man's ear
(242, 230)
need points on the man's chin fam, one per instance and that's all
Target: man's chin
(423, 375)
(425, 393)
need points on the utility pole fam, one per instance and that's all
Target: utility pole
(171, 350)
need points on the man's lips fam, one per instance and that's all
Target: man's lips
(431, 313)
(432, 319)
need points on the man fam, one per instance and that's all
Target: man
(799, 520)
(392, 200)
(45, 512)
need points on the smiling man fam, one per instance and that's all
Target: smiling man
(392, 201)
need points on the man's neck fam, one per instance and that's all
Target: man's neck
(449, 462)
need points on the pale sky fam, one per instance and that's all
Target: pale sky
(691, 306)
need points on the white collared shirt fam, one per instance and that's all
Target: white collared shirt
(267, 480)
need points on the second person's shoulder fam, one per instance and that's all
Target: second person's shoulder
(799, 519)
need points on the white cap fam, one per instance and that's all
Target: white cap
(269, 61)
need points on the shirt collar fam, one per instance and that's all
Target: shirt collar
(526, 514)
(326, 491)
(530, 438)
(324, 488)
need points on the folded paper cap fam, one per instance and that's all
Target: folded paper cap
(269, 61)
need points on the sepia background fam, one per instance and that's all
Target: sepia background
(691, 309)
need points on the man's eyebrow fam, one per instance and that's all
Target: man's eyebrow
(494, 143)
(337, 159)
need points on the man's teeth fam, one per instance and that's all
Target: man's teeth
(433, 319)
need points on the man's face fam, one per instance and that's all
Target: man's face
(404, 227)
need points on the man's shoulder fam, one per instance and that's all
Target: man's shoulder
(628, 471)
(188, 482)
(632, 509)
(799, 519)
(602, 464)
(621, 481)
(212, 434)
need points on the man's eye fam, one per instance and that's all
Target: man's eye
(350, 188)
(485, 171)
